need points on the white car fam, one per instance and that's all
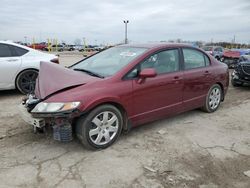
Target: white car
(19, 66)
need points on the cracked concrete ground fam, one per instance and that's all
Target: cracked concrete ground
(194, 149)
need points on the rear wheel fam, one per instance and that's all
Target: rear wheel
(100, 128)
(26, 81)
(213, 99)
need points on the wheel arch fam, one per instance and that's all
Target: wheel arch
(222, 89)
(22, 72)
(119, 106)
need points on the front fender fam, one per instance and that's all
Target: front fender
(89, 105)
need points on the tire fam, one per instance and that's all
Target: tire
(236, 84)
(26, 81)
(213, 99)
(96, 133)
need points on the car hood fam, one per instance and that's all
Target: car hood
(54, 78)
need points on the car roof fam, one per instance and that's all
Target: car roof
(15, 44)
(157, 45)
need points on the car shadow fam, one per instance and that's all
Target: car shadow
(245, 87)
(164, 122)
(10, 93)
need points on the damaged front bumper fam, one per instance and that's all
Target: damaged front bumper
(62, 129)
(61, 121)
(28, 118)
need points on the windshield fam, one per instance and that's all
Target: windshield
(110, 61)
(208, 48)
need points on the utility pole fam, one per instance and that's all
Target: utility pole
(126, 31)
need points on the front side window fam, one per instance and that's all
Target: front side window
(5, 50)
(110, 61)
(163, 62)
(194, 59)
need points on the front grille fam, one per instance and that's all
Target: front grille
(246, 69)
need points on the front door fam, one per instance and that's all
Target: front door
(162, 95)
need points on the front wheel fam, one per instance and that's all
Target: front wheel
(213, 99)
(100, 128)
(26, 81)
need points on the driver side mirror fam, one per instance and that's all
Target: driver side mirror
(146, 73)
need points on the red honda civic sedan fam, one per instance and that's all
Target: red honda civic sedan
(123, 87)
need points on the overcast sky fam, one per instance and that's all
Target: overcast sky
(102, 20)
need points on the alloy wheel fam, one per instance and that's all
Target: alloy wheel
(104, 128)
(26, 81)
(214, 98)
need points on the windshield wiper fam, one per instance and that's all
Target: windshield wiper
(89, 72)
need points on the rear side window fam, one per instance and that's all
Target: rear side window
(5, 51)
(194, 59)
(17, 51)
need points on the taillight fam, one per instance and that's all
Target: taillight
(55, 60)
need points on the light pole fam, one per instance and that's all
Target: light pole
(126, 31)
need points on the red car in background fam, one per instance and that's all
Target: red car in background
(123, 87)
(39, 46)
(230, 57)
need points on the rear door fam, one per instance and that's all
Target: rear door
(197, 78)
(161, 95)
(10, 62)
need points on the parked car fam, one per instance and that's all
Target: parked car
(69, 48)
(19, 66)
(230, 57)
(78, 47)
(123, 87)
(216, 51)
(55, 48)
(241, 73)
(242, 51)
(38, 46)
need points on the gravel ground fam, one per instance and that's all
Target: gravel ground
(194, 149)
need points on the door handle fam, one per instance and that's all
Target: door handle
(207, 73)
(177, 78)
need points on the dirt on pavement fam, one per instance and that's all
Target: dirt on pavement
(194, 149)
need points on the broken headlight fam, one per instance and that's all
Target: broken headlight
(44, 107)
